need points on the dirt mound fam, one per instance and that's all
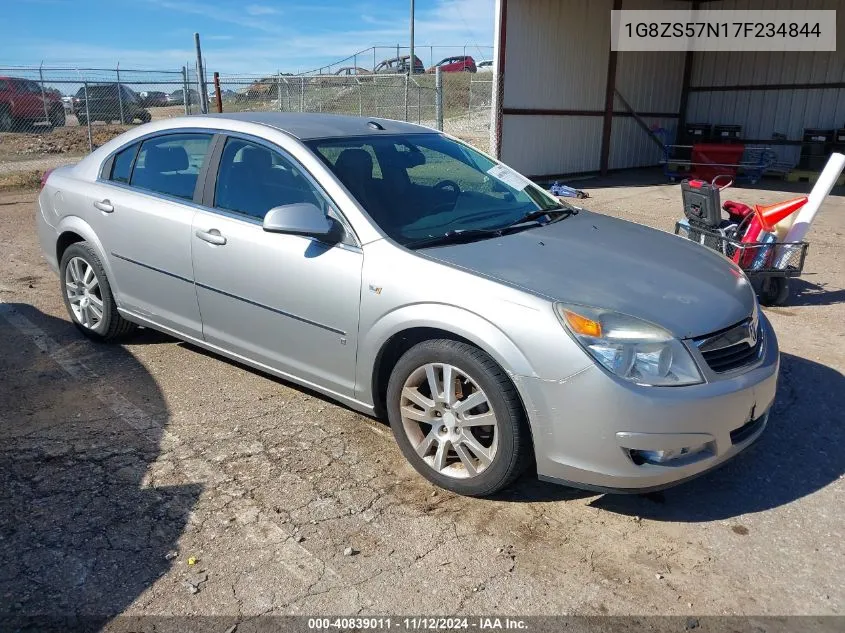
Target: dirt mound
(63, 140)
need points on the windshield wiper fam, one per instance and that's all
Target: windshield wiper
(455, 236)
(564, 211)
(459, 236)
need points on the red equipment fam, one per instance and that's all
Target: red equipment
(737, 211)
(710, 160)
(765, 218)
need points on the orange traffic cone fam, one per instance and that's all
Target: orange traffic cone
(774, 213)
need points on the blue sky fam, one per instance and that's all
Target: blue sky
(238, 37)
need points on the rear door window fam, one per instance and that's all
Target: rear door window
(171, 164)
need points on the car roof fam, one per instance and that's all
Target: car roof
(305, 126)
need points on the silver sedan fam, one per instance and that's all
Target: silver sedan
(407, 275)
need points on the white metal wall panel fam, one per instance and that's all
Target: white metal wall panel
(650, 81)
(543, 145)
(556, 59)
(556, 54)
(630, 146)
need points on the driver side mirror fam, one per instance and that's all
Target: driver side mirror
(303, 218)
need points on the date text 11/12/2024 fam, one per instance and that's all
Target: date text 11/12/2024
(418, 623)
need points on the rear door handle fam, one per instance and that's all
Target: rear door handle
(104, 205)
(212, 236)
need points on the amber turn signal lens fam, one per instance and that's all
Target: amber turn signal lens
(582, 325)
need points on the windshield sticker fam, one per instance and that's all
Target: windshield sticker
(509, 177)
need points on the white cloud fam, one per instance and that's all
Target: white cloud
(219, 13)
(260, 9)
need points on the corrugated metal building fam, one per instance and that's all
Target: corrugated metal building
(556, 111)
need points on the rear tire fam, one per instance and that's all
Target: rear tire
(57, 117)
(505, 445)
(87, 295)
(774, 291)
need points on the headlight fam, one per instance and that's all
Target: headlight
(632, 349)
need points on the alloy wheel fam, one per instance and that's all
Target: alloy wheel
(449, 420)
(83, 293)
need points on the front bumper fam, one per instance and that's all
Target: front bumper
(47, 235)
(585, 426)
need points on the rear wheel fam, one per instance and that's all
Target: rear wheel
(457, 418)
(774, 291)
(88, 296)
(57, 117)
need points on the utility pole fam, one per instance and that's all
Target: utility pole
(201, 77)
(411, 60)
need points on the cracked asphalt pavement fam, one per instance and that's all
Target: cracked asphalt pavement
(152, 478)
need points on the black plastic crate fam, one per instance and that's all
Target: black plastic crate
(816, 147)
(727, 133)
(696, 133)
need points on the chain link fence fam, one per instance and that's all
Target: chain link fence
(51, 116)
(377, 58)
(466, 98)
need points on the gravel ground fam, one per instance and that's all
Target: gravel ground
(153, 478)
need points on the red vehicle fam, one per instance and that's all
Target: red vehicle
(23, 102)
(456, 64)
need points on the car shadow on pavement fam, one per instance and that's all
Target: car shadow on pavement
(82, 535)
(801, 451)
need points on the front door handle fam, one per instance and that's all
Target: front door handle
(104, 205)
(212, 236)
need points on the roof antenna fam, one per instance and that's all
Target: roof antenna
(375, 125)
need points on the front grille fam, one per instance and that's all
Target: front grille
(732, 348)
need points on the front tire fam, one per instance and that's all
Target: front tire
(457, 418)
(88, 296)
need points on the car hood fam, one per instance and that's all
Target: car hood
(605, 262)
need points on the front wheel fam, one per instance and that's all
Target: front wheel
(88, 296)
(457, 418)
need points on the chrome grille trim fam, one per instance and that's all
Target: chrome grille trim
(733, 348)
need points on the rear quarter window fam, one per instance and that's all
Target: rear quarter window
(122, 165)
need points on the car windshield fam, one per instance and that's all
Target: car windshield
(422, 186)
